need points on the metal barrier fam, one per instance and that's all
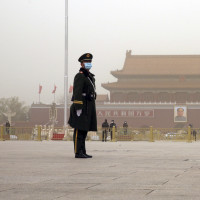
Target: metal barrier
(17, 133)
(151, 134)
(37, 133)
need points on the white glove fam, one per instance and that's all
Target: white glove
(78, 112)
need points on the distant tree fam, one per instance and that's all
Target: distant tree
(13, 105)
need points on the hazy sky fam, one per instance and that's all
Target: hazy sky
(32, 39)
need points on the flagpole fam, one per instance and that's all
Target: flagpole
(39, 93)
(54, 93)
(66, 64)
(40, 89)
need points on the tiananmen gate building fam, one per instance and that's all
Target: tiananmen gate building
(150, 91)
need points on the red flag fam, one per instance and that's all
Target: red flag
(40, 89)
(70, 88)
(54, 90)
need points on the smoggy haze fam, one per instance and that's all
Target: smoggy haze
(32, 39)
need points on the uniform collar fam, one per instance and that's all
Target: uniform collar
(85, 72)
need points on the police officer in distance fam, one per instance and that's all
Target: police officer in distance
(193, 132)
(125, 127)
(112, 124)
(83, 110)
(105, 127)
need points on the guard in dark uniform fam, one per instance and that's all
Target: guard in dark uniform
(193, 132)
(105, 127)
(7, 127)
(112, 124)
(83, 110)
(125, 127)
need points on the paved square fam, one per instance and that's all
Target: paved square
(47, 170)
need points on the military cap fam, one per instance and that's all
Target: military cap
(86, 57)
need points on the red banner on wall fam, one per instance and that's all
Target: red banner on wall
(126, 113)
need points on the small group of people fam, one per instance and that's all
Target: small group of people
(109, 128)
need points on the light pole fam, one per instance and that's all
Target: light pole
(66, 65)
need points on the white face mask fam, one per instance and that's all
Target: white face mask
(88, 65)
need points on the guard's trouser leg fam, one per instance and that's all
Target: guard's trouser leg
(84, 134)
(79, 141)
(75, 138)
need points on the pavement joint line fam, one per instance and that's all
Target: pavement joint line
(186, 170)
(183, 172)
(44, 181)
(113, 166)
(7, 189)
(37, 182)
(93, 186)
(149, 192)
(165, 182)
(60, 197)
(86, 183)
(81, 174)
(177, 175)
(74, 174)
(116, 178)
(131, 173)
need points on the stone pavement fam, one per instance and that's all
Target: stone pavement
(47, 170)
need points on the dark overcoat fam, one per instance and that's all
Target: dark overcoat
(83, 98)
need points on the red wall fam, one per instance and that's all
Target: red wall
(161, 118)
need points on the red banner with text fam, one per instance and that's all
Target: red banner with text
(148, 113)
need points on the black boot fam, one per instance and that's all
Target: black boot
(80, 155)
(88, 156)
